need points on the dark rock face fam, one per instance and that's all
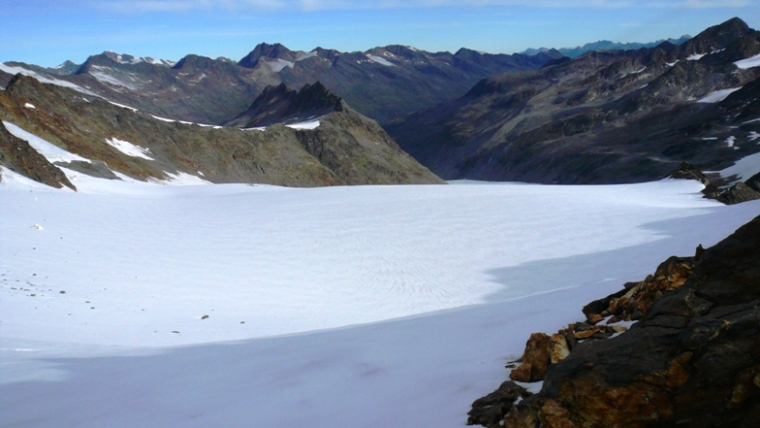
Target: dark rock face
(738, 193)
(604, 117)
(489, 411)
(18, 156)
(692, 360)
(282, 105)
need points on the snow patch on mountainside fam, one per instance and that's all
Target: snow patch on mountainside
(128, 148)
(51, 152)
(749, 62)
(314, 124)
(305, 55)
(279, 64)
(743, 168)
(123, 106)
(102, 75)
(718, 96)
(43, 79)
(380, 60)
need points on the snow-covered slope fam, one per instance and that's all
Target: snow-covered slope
(371, 305)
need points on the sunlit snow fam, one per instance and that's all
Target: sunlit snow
(314, 124)
(378, 306)
(19, 70)
(749, 62)
(30, 105)
(279, 64)
(380, 60)
(718, 96)
(743, 168)
(51, 152)
(128, 148)
(102, 75)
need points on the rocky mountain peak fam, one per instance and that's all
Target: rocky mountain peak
(195, 61)
(280, 104)
(65, 69)
(716, 37)
(265, 50)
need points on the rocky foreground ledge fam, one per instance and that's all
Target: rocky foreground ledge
(692, 359)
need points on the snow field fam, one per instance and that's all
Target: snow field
(370, 305)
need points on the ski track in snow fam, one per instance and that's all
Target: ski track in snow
(376, 306)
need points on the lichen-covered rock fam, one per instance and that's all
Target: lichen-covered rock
(636, 299)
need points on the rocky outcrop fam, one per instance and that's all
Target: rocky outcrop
(738, 193)
(692, 359)
(489, 411)
(735, 193)
(279, 104)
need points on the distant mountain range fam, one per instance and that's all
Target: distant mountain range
(604, 117)
(606, 45)
(311, 118)
(384, 83)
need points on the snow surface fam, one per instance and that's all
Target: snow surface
(313, 124)
(380, 60)
(101, 74)
(744, 168)
(372, 306)
(30, 105)
(305, 55)
(123, 106)
(730, 141)
(718, 96)
(279, 64)
(51, 152)
(128, 148)
(20, 70)
(749, 62)
(695, 57)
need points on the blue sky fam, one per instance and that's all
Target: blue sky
(47, 32)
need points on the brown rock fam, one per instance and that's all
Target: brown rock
(536, 359)
(560, 349)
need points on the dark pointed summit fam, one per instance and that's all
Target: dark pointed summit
(265, 50)
(716, 37)
(279, 104)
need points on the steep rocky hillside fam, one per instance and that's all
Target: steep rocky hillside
(692, 359)
(604, 117)
(343, 148)
(382, 83)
